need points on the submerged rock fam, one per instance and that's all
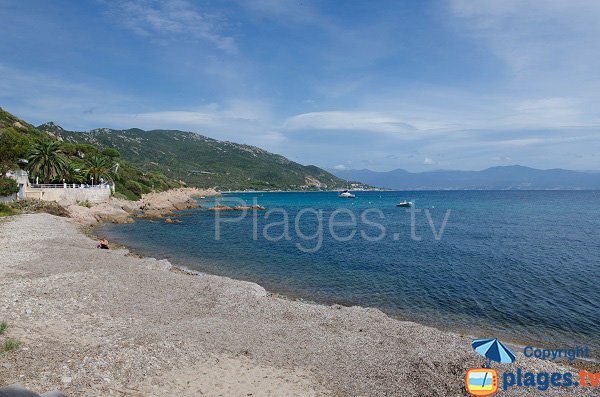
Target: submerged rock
(237, 208)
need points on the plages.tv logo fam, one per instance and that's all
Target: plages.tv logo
(484, 381)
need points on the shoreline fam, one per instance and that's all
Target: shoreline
(518, 343)
(510, 340)
(192, 321)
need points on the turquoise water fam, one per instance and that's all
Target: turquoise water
(522, 265)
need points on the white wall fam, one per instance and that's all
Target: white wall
(70, 195)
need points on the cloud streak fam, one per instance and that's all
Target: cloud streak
(172, 19)
(345, 120)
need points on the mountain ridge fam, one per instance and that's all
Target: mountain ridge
(203, 161)
(511, 177)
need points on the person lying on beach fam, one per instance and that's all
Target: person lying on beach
(102, 244)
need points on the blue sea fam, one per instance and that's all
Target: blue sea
(520, 265)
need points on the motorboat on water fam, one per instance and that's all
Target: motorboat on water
(346, 194)
(404, 203)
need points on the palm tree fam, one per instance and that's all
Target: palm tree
(47, 161)
(73, 174)
(98, 168)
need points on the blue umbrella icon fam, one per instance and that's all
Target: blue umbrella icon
(493, 349)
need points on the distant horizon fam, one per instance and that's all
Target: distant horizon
(332, 170)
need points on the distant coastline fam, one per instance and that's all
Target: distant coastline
(514, 177)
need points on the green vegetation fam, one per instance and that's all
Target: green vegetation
(148, 182)
(47, 161)
(85, 203)
(8, 186)
(16, 138)
(98, 168)
(201, 161)
(46, 156)
(111, 153)
(7, 210)
(10, 344)
(140, 161)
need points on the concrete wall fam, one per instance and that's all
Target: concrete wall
(70, 195)
(8, 199)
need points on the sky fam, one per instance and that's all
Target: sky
(418, 85)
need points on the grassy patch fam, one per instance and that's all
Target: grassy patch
(3, 327)
(11, 344)
(85, 203)
(7, 210)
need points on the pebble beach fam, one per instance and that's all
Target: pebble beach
(105, 322)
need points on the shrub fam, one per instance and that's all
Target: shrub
(110, 152)
(87, 148)
(3, 327)
(8, 186)
(32, 206)
(85, 203)
(11, 344)
(134, 187)
(120, 195)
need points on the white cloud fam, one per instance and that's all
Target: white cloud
(174, 19)
(340, 167)
(429, 161)
(548, 44)
(343, 120)
(547, 111)
(235, 115)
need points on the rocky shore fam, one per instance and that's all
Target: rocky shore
(151, 205)
(103, 322)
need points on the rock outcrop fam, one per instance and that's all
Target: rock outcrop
(152, 205)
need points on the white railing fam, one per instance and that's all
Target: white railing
(68, 186)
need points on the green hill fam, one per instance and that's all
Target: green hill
(201, 161)
(18, 138)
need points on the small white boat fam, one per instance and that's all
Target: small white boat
(405, 204)
(346, 194)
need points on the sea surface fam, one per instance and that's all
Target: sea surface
(520, 265)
